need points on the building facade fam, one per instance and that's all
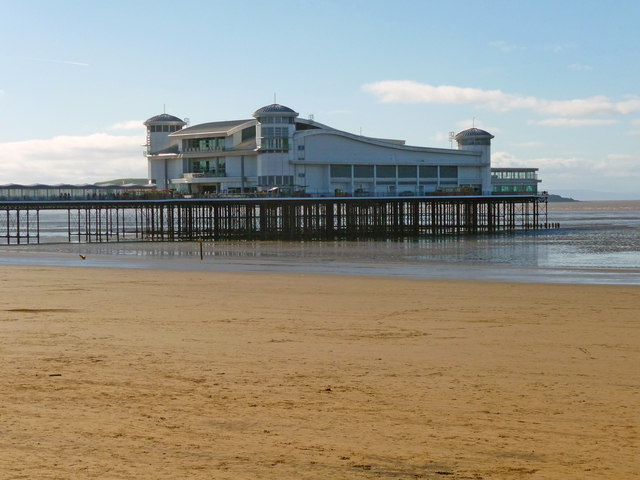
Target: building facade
(276, 150)
(515, 181)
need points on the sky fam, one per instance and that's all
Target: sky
(556, 82)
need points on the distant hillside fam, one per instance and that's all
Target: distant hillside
(558, 198)
(120, 181)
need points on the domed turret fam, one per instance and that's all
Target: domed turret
(473, 136)
(164, 118)
(477, 140)
(275, 128)
(158, 129)
(275, 110)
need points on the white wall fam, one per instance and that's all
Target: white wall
(274, 164)
(162, 170)
(232, 140)
(338, 149)
(155, 172)
(470, 175)
(234, 167)
(160, 141)
(174, 168)
(335, 149)
(316, 178)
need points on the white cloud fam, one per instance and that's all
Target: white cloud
(578, 67)
(68, 159)
(572, 168)
(559, 164)
(618, 166)
(556, 164)
(406, 91)
(441, 137)
(506, 47)
(128, 125)
(506, 160)
(576, 122)
(635, 131)
(598, 105)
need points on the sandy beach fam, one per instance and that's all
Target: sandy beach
(149, 374)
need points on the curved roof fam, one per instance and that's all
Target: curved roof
(164, 118)
(210, 128)
(275, 109)
(473, 132)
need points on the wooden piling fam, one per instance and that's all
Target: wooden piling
(275, 218)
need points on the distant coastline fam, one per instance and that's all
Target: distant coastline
(559, 198)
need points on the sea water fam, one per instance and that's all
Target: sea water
(597, 242)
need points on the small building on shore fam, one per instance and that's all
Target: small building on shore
(277, 151)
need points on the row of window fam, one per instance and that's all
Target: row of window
(208, 167)
(277, 144)
(164, 128)
(394, 171)
(515, 189)
(275, 180)
(289, 120)
(273, 132)
(514, 175)
(203, 144)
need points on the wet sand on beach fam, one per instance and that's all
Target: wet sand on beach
(126, 374)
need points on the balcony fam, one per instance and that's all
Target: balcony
(203, 150)
(205, 174)
(514, 177)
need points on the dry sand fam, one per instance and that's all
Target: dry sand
(121, 374)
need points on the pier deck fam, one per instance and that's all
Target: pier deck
(274, 218)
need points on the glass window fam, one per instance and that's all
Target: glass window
(428, 171)
(341, 171)
(281, 144)
(407, 171)
(363, 171)
(248, 133)
(275, 132)
(385, 171)
(448, 172)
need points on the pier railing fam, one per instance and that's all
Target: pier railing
(271, 218)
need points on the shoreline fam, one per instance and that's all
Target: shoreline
(598, 244)
(357, 259)
(174, 374)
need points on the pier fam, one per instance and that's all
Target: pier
(345, 218)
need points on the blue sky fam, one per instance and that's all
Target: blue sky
(557, 83)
